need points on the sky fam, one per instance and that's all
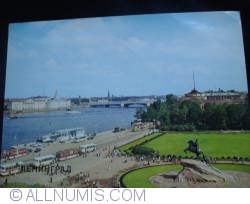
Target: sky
(154, 54)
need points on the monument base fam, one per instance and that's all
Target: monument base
(197, 174)
(198, 171)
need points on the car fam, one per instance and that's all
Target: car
(30, 150)
(38, 149)
(35, 145)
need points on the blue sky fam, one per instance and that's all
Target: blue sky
(129, 55)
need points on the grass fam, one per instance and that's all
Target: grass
(127, 146)
(212, 143)
(233, 167)
(139, 178)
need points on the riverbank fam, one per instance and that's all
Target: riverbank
(29, 127)
(97, 167)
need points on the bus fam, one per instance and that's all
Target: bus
(44, 160)
(67, 154)
(85, 148)
(7, 169)
(14, 153)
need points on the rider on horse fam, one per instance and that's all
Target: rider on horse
(194, 148)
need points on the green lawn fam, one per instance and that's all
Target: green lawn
(233, 167)
(212, 144)
(140, 178)
(138, 141)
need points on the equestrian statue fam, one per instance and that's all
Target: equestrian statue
(193, 147)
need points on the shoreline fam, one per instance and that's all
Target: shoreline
(28, 127)
(100, 167)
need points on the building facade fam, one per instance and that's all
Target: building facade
(216, 97)
(37, 104)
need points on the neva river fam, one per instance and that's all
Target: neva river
(28, 127)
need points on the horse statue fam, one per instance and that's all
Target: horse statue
(193, 147)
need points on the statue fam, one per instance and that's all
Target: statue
(193, 147)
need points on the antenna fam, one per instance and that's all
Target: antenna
(55, 96)
(108, 94)
(194, 80)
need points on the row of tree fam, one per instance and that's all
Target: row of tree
(176, 114)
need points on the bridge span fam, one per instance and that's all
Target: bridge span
(120, 103)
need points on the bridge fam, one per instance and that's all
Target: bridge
(107, 104)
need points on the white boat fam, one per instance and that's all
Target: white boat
(70, 134)
(79, 139)
(45, 139)
(72, 112)
(64, 139)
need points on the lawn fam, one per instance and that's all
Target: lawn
(126, 147)
(233, 167)
(140, 178)
(211, 143)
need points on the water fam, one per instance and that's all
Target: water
(30, 126)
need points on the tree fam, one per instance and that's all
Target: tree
(193, 112)
(235, 116)
(246, 119)
(215, 117)
(141, 150)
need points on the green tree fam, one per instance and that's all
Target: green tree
(215, 117)
(246, 119)
(235, 116)
(191, 112)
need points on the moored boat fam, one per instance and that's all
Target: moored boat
(65, 135)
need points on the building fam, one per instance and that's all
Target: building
(216, 97)
(195, 96)
(37, 104)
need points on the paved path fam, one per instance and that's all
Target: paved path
(97, 167)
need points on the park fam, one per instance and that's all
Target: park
(227, 151)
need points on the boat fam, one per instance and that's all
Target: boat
(12, 116)
(45, 139)
(65, 135)
(72, 112)
(80, 138)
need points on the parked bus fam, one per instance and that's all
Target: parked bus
(44, 160)
(67, 154)
(9, 169)
(15, 152)
(88, 147)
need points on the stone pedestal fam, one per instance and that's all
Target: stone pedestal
(197, 171)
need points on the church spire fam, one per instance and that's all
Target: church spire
(108, 94)
(194, 81)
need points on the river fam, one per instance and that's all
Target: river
(28, 127)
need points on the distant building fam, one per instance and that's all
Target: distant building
(36, 104)
(195, 96)
(216, 97)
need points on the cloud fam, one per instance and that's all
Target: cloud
(126, 52)
(234, 15)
